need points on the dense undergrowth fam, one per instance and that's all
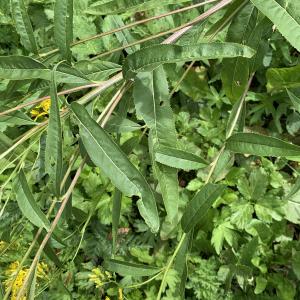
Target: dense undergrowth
(190, 191)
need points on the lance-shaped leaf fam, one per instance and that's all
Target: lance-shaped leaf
(130, 269)
(179, 159)
(109, 7)
(123, 36)
(261, 145)
(286, 17)
(118, 124)
(235, 71)
(63, 26)
(23, 67)
(200, 204)
(149, 58)
(281, 78)
(23, 25)
(151, 100)
(53, 154)
(27, 203)
(107, 155)
(231, 11)
(97, 70)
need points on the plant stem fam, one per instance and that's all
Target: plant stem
(169, 266)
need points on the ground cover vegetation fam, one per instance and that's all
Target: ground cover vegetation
(149, 149)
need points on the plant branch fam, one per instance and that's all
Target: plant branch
(127, 26)
(178, 31)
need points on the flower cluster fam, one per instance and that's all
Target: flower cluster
(41, 110)
(99, 277)
(17, 283)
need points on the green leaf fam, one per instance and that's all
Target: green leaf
(232, 9)
(151, 57)
(179, 159)
(151, 101)
(224, 231)
(16, 118)
(124, 36)
(23, 67)
(261, 284)
(200, 204)
(261, 145)
(286, 19)
(53, 154)
(130, 269)
(97, 70)
(119, 125)
(116, 212)
(281, 78)
(23, 25)
(63, 27)
(110, 7)
(27, 203)
(235, 71)
(224, 163)
(106, 154)
(295, 100)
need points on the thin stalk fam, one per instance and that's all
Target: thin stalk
(162, 285)
(181, 78)
(127, 26)
(25, 137)
(178, 31)
(144, 282)
(121, 93)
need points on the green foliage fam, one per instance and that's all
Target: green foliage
(133, 166)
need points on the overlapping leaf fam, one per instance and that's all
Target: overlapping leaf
(132, 269)
(179, 159)
(106, 154)
(286, 18)
(53, 154)
(261, 145)
(24, 67)
(27, 203)
(235, 71)
(23, 25)
(151, 57)
(197, 207)
(152, 104)
(281, 78)
(63, 26)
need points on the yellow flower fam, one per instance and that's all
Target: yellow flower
(42, 268)
(99, 277)
(41, 110)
